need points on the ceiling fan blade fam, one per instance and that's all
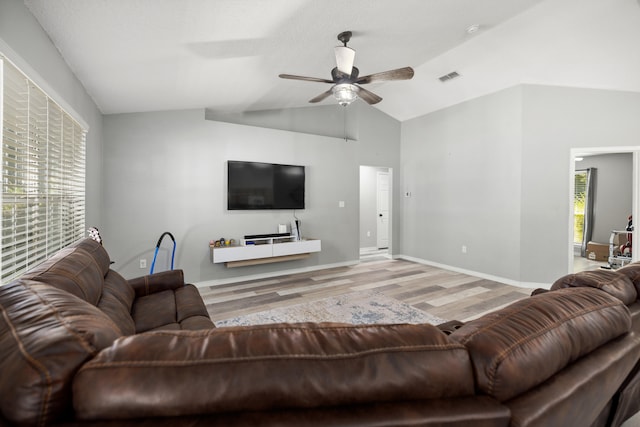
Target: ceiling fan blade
(307, 79)
(368, 96)
(405, 73)
(344, 59)
(320, 97)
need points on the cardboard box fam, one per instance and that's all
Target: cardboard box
(598, 251)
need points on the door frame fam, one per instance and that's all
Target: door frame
(635, 209)
(389, 170)
(378, 174)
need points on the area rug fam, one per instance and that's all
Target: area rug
(354, 308)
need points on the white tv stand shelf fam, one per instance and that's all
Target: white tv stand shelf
(264, 250)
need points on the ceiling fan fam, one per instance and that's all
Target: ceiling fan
(346, 80)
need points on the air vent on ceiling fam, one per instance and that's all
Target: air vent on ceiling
(452, 75)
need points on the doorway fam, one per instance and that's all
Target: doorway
(375, 212)
(382, 202)
(614, 182)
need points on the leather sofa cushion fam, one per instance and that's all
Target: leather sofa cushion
(632, 271)
(269, 367)
(181, 308)
(611, 282)
(154, 311)
(46, 334)
(527, 342)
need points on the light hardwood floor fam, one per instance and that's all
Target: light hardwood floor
(442, 293)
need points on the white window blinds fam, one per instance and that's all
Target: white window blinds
(43, 174)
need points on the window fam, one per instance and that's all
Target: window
(43, 174)
(579, 205)
(583, 198)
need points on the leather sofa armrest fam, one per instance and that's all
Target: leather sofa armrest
(157, 282)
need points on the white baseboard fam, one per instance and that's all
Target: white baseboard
(217, 282)
(527, 285)
(261, 276)
(369, 249)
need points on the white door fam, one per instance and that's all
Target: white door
(382, 186)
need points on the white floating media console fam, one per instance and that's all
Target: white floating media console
(265, 250)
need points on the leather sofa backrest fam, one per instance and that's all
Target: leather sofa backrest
(74, 270)
(524, 344)
(97, 252)
(82, 269)
(270, 367)
(46, 334)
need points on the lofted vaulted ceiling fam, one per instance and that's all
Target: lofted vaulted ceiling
(225, 55)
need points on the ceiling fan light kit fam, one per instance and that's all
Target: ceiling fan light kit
(345, 77)
(345, 93)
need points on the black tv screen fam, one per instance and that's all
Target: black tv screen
(254, 185)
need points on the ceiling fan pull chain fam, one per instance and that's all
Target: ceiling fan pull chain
(344, 108)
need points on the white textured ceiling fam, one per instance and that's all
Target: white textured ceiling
(149, 55)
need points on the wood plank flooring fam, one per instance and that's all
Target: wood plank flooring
(442, 293)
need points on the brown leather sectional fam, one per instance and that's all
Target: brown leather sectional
(82, 346)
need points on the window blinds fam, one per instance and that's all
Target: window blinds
(43, 174)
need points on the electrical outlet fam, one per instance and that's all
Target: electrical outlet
(341, 204)
(464, 249)
(143, 263)
(368, 234)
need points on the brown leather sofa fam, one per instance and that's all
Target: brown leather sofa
(81, 346)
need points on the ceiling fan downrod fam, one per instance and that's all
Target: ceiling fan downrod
(344, 37)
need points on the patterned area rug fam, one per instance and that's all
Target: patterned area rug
(354, 308)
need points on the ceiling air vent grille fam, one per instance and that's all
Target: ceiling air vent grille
(452, 75)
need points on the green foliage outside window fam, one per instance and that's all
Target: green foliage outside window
(579, 204)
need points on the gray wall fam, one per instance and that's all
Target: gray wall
(493, 174)
(613, 192)
(557, 119)
(166, 171)
(26, 44)
(462, 167)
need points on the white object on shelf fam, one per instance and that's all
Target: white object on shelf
(267, 240)
(265, 250)
(295, 229)
(299, 246)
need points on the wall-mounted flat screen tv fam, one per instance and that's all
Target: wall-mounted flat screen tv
(254, 185)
